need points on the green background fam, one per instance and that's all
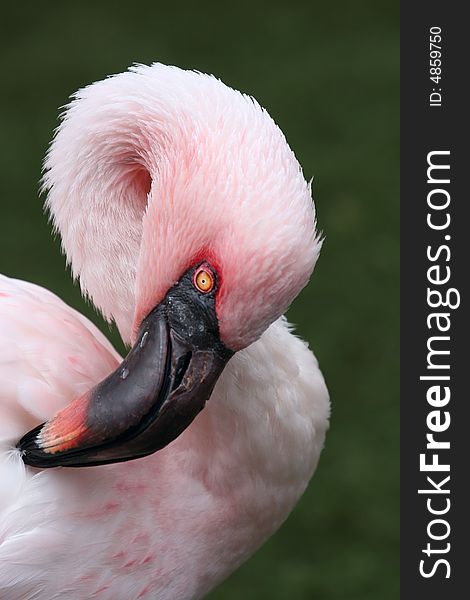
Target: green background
(328, 74)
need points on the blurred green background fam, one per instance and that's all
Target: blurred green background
(328, 74)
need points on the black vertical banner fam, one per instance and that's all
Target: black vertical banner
(435, 255)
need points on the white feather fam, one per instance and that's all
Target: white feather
(171, 525)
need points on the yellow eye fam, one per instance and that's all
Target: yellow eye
(204, 281)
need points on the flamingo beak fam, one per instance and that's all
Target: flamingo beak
(154, 395)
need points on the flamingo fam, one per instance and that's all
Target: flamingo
(187, 220)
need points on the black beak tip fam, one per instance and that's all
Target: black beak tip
(30, 451)
(170, 374)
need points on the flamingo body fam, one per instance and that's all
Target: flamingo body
(174, 524)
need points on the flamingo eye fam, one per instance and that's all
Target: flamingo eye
(204, 281)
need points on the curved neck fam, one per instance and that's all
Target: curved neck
(154, 166)
(101, 169)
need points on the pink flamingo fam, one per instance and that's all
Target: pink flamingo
(185, 215)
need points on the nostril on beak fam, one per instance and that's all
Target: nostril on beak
(180, 369)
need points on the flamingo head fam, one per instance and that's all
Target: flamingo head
(185, 215)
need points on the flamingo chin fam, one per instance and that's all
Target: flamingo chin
(185, 216)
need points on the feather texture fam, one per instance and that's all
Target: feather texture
(149, 171)
(169, 526)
